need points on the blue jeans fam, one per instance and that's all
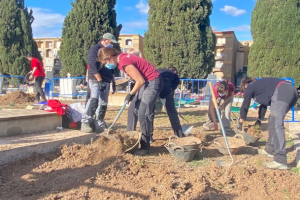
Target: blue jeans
(97, 105)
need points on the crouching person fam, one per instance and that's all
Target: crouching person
(224, 93)
(145, 92)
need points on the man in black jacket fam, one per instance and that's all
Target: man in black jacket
(99, 79)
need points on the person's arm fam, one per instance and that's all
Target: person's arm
(176, 82)
(245, 106)
(34, 69)
(92, 61)
(136, 76)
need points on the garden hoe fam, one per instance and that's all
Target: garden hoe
(221, 163)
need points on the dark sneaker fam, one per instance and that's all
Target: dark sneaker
(275, 165)
(99, 130)
(86, 128)
(142, 152)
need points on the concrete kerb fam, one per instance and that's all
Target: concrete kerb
(294, 129)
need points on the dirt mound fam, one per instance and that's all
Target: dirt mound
(254, 132)
(17, 97)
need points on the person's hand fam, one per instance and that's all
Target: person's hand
(216, 126)
(129, 97)
(257, 123)
(222, 107)
(113, 87)
(31, 77)
(102, 85)
(240, 125)
(30, 72)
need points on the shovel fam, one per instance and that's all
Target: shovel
(221, 163)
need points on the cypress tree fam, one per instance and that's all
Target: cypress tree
(275, 28)
(179, 34)
(83, 27)
(16, 39)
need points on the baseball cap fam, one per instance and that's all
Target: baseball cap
(110, 36)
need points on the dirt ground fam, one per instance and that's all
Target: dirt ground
(15, 99)
(101, 171)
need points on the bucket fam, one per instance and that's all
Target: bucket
(235, 144)
(180, 153)
(249, 139)
(188, 143)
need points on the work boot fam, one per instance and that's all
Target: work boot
(209, 126)
(99, 130)
(142, 152)
(264, 153)
(85, 127)
(275, 165)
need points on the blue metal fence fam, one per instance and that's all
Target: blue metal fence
(12, 83)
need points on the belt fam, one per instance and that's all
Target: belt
(281, 83)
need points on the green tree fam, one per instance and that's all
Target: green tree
(16, 39)
(179, 34)
(83, 27)
(275, 28)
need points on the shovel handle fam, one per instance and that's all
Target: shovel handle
(213, 97)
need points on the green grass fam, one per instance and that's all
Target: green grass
(258, 162)
(289, 142)
(199, 163)
(11, 104)
(285, 193)
(295, 170)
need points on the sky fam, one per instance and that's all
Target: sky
(227, 15)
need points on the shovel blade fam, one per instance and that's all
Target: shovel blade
(186, 129)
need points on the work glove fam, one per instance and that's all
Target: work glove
(129, 97)
(113, 87)
(239, 126)
(257, 123)
(102, 85)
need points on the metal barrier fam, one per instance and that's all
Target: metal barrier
(195, 90)
(72, 87)
(12, 83)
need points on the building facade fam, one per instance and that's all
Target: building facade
(48, 48)
(231, 57)
(127, 41)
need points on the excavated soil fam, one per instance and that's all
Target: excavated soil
(17, 97)
(101, 171)
(232, 142)
(252, 131)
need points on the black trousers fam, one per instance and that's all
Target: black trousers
(38, 84)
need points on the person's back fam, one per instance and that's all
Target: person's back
(171, 81)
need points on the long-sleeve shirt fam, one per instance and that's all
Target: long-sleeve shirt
(95, 66)
(262, 91)
(171, 81)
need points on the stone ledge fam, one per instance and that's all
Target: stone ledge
(15, 148)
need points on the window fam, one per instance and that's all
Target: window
(55, 53)
(41, 53)
(221, 41)
(128, 42)
(49, 53)
(219, 64)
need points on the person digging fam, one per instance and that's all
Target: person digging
(281, 96)
(39, 74)
(224, 93)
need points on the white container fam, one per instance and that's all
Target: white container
(67, 87)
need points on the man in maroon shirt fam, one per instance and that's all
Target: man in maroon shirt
(39, 74)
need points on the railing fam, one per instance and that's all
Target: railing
(73, 87)
(12, 83)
